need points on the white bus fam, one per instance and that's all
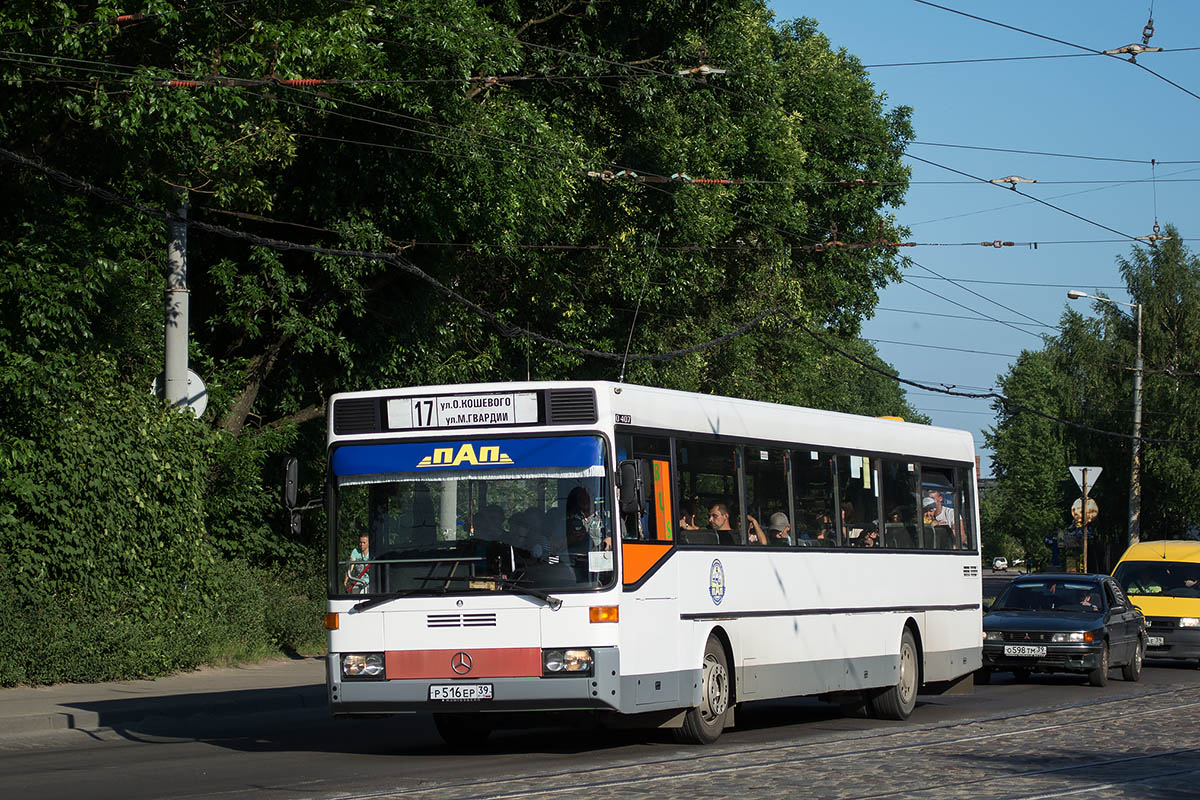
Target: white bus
(648, 556)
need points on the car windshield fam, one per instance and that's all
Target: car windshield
(1163, 578)
(483, 516)
(1067, 596)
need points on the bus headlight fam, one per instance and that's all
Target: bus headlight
(1189, 622)
(575, 662)
(362, 666)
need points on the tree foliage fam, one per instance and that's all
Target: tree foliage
(1085, 376)
(455, 199)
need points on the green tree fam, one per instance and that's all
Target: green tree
(453, 199)
(1085, 377)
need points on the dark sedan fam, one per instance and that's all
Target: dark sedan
(1063, 623)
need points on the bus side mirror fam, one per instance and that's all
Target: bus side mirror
(291, 477)
(629, 483)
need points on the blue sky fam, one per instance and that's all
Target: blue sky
(1094, 106)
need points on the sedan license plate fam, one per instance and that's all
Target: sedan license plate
(460, 691)
(1154, 641)
(1023, 650)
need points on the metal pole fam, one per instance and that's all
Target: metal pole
(1083, 517)
(1135, 478)
(175, 365)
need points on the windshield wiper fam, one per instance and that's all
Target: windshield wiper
(507, 583)
(379, 600)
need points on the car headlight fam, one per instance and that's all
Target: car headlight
(1074, 636)
(562, 662)
(993, 636)
(362, 666)
(1189, 622)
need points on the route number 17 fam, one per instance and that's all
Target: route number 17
(422, 413)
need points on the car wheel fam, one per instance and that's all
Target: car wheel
(983, 676)
(898, 702)
(1099, 676)
(1020, 675)
(463, 730)
(1133, 670)
(704, 723)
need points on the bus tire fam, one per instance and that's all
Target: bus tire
(1099, 676)
(898, 702)
(463, 730)
(704, 723)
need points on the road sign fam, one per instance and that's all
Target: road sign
(197, 392)
(1090, 473)
(1093, 510)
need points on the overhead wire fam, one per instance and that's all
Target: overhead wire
(980, 179)
(1091, 50)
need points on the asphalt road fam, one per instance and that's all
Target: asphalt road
(1054, 736)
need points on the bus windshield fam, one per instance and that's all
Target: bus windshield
(471, 516)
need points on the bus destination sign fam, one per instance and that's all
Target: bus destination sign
(463, 410)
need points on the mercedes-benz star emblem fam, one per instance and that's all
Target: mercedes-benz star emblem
(461, 663)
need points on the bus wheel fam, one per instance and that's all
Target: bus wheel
(898, 702)
(462, 730)
(704, 723)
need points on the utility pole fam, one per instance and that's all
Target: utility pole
(175, 365)
(1135, 463)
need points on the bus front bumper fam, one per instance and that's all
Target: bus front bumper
(599, 691)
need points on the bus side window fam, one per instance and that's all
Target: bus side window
(900, 527)
(656, 520)
(815, 524)
(767, 496)
(940, 523)
(858, 492)
(707, 477)
(962, 502)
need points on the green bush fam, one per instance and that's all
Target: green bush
(240, 613)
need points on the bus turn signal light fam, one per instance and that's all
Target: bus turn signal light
(603, 614)
(331, 621)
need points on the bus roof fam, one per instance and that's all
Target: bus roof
(669, 409)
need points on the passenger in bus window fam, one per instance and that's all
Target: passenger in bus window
(358, 577)
(688, 521)
(869, 537)
(942, 514)
(776, 532)
(719, 521)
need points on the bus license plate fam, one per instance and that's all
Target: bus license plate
(1154, 641)
(1023, 650)
(460, 691)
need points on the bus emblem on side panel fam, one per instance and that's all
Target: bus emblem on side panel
(716, 582)
(460, 662)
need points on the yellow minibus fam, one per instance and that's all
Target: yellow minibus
(1163, 580)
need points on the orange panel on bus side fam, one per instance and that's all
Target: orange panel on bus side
(638, 558)
(502, 662)
(663, 530)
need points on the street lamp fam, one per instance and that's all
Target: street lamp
(1135, 482)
